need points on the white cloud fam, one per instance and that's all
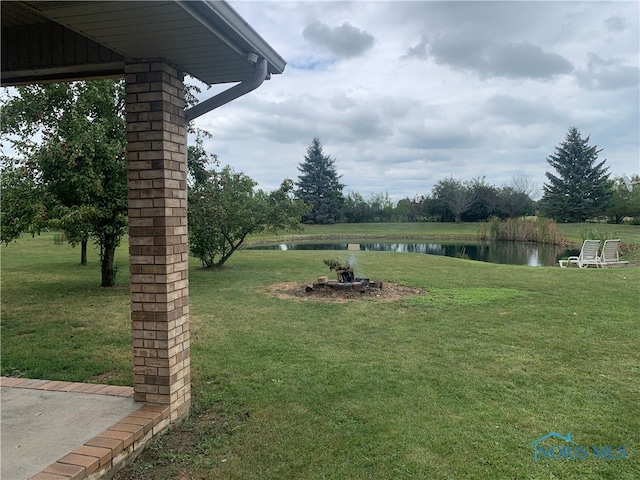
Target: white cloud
(403, 94)
(344, 41)
(615, 23)
(499, 59)
(608, 74)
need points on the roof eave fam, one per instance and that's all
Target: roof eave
(225, 22)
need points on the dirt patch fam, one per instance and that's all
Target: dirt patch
(194, 449)
(104, 378)
(390, 292)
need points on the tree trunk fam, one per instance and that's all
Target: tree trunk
(233, 247)
(108, 269)
(83, 252)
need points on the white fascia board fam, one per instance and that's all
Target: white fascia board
(232, 29)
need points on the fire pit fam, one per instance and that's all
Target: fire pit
(345, 279)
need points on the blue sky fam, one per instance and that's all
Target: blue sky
(404, 94)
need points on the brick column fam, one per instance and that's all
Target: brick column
(157, 168)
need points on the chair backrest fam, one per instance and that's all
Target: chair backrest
(610, 251)
(589, 252)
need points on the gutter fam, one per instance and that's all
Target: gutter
(254, 81)
(221, 19)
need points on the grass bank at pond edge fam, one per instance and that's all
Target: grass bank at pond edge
(570, 235)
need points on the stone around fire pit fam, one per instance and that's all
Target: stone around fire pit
(360, 284)
(304, 291)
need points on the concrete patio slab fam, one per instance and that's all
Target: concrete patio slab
(70, 430)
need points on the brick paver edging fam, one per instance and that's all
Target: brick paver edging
(76, 387)
(109, 449)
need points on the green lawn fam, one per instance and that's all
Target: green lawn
(573, 231)
(371, 230)
(455, 383)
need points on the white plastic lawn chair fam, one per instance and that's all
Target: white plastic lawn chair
(610, 256)
(588, 256)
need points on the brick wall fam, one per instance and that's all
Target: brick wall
(156, 156)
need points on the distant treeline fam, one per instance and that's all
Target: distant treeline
(452, 200)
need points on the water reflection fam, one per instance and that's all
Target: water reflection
(510, 253)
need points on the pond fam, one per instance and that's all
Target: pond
(510, 253)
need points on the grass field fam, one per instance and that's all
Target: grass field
(453, 383)
(573, 231)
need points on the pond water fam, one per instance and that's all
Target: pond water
(510, 253)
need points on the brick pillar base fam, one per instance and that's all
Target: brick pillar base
(157, 169)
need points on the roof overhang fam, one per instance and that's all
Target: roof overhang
(66, 40)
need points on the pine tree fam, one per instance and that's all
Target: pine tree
(579, 192)
(319, 187)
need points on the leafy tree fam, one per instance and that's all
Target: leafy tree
(379, 208)
(404, 212)
(454, 197)
(72, 139)
(512, 204)
(424, 208)
(22, 202)
(318, 186)
(198, 159)
(485, 200)
(525, 184)
(224, 208)
(579, 191)
(517, 198)
(624, 203)
(355, 209)
(382, 207)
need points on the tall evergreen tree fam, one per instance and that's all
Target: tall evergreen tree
(579, 191)
(319, 187)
